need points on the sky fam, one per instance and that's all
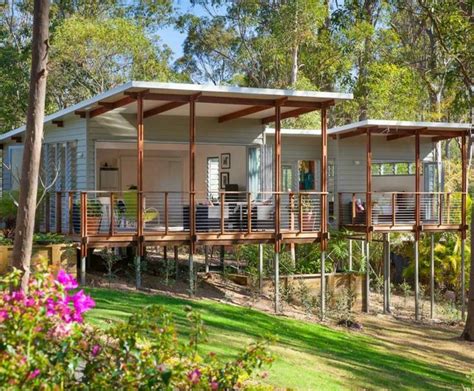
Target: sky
(173, 38)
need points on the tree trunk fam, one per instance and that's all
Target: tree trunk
(25, 223)
(468, 332)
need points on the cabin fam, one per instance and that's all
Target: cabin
(166, 164)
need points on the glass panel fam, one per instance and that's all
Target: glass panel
(254, 170)
(213, 178)
(287, 178)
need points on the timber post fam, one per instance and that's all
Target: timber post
(277, 202)
(192, 189)
(417, 223)
(324, 214)
(464, 224)
(140, 158)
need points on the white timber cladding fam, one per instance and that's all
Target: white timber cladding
(167, 129)
(69, 144)
(351, 162)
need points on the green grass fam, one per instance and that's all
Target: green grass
(308, 355)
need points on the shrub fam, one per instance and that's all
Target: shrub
(44, 342)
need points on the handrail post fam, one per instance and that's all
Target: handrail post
(292, 211)
(166, 213)
(249, 212)
(222, 212)
(84, 214)
(59, 212)
(70, 207)
(394, 209)
(448, 206)
(340, 209)
(300, 212)
(353, 207)
(112, 203)
(440, 208)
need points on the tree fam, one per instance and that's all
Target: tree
(33, 138)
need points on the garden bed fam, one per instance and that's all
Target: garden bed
(59, 256)
(337, 284)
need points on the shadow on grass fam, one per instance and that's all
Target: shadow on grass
(369, 365)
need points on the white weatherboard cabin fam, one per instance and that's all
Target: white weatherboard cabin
(148, 164)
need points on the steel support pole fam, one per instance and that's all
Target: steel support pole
(191, 272)
(350, 254)
(138, 271)
(323, 285)
(432, 277)
(83, 263)
(260, 267)
(277, 282)
(206, 258)
(176, 261)
(417, 280)
(386, 256)
(367, 276)
(389, 277)
(463, 279)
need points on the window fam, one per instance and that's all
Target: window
(393, 168)
(15, 164)
(213, 178)
(287, 178)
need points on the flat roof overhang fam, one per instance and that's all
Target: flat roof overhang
(222, 102)
(394, 130)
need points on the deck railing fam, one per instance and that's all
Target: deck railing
(399, 209)
(104, 213)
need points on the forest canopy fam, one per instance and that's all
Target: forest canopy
(402, 59)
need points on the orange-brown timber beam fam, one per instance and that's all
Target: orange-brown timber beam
(163, 108)
(288, 114)
(398, 136)
(353, 133)
(242, 113)
(108, 106)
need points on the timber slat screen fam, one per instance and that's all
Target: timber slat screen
(115, 214)
(398, 209)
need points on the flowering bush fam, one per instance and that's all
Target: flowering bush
(44, 343)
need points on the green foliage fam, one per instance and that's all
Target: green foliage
(50, 238)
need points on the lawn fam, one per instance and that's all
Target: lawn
(308, 356)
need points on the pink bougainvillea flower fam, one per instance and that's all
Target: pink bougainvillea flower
(95, 350)
(214, 385)
(29, 302)
(18, 296)
(67, 280)
(34, 374)
(82, 302)
(3, 315)
(194, 376)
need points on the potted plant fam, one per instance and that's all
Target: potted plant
(94, 216)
